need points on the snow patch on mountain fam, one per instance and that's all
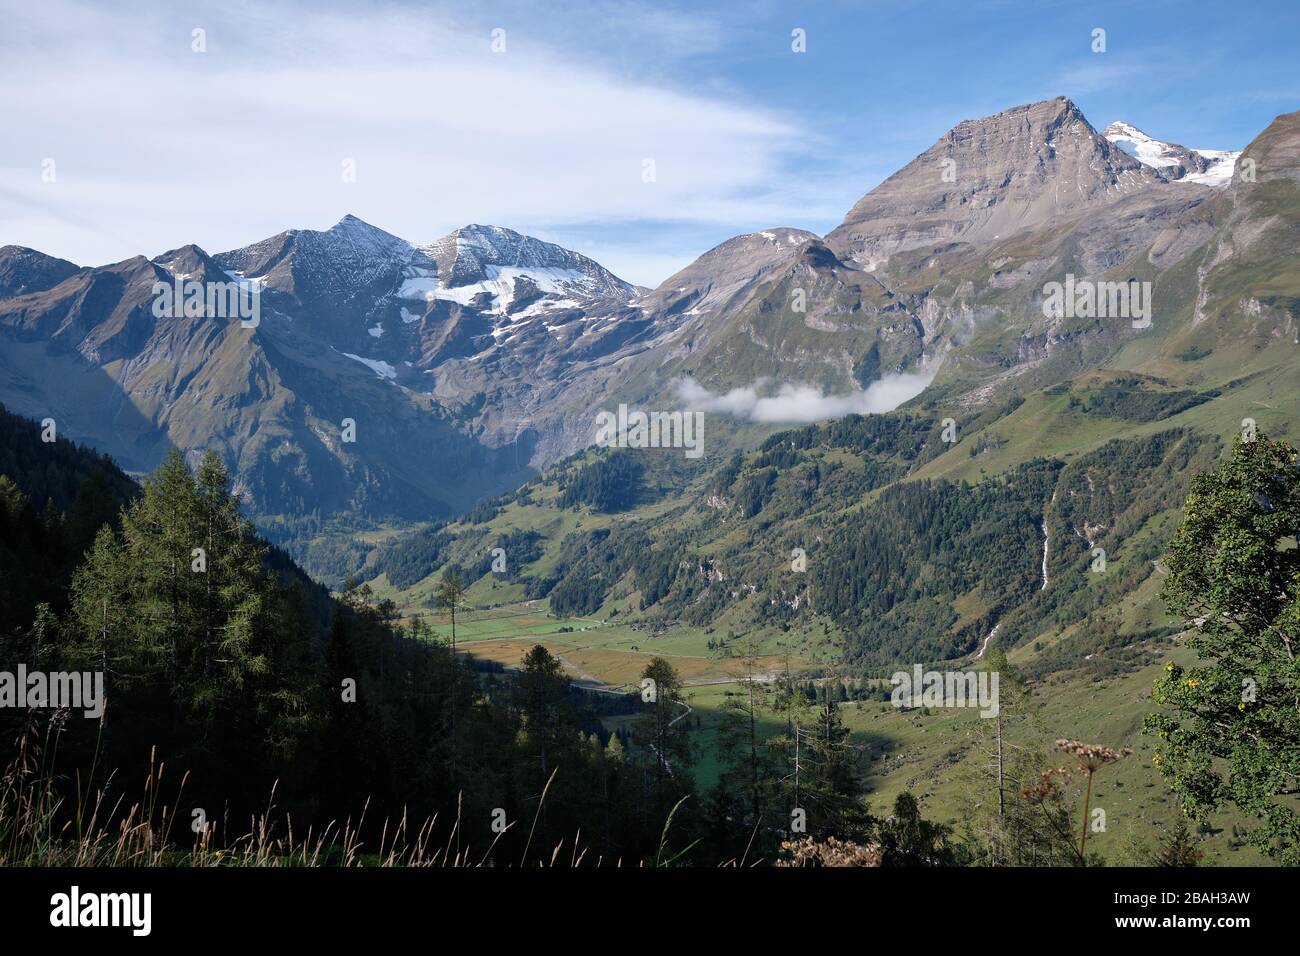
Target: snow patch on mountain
(1142, 147)
(1208, 167)
(1222, 163)
(382, 369)
(514, 272)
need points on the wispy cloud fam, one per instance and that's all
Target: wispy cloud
(228, 146)
(799, 404)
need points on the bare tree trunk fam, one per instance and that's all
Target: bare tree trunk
(1001, 776)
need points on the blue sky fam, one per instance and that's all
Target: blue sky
(156, 144)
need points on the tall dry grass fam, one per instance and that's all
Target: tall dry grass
(39, 828)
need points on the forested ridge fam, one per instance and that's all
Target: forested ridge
(240, 690)
(234, 671)
(903, 569)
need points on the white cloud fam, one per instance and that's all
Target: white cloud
(156, 145)
(800, 404)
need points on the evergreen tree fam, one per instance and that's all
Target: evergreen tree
(661, 731)
(830, 785)
(1177, 848)
(450, 595)
(908, 839)
(740, 740)
(1008, 762)
(543, 689)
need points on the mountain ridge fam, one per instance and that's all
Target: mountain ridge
(511, 344)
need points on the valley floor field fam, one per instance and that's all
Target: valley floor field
(932, 753)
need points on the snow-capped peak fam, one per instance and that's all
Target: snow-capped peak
(1208, 167)
(514, 270)
(465, 255)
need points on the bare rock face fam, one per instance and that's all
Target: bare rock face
(987, 179)
(716, 279)
(25, 270)
(1249, 272)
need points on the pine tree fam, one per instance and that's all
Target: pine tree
(661, 732)
(235, 592)
(994, 814)
(450, 595)
(543, 688)
(1177, 848)
(830, 785)
(740, 748)
(908, 839)
(101, 614)
(181, 614)
(614, 749)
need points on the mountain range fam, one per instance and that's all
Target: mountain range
(469, 364)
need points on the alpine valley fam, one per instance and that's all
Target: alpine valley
(907, 458)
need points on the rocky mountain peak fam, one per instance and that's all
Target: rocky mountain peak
(189, 261)
(361, 237)
(720, 275)
(24, 270)
(477, 253)
(342, 263)
(989, 178)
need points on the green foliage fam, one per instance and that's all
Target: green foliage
(663, 733)
(54, 498)
(1111, 499)
(890, 571)
(1131, 399)
(610, 483)
(1177, 848)
(887, 435)
(1229, 729)
(756, 491)
(867, 369)
(180, 610)
(225, 665)
(589, 566)
(908, 839)
(520, 547)
(413, 557)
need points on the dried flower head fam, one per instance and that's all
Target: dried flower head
(1048, 787)
(834, 852)
(1092, 756)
